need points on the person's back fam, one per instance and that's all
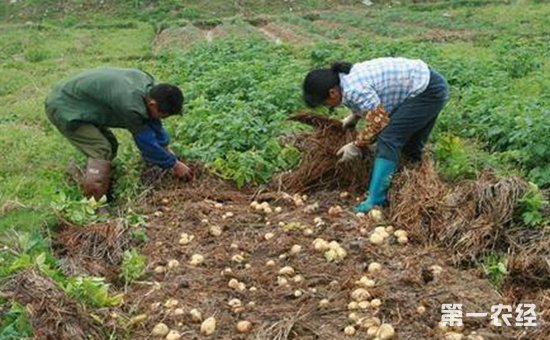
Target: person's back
(108, 97)
(393, 80)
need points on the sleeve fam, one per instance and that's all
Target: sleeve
(377, 120)
(362, 101)
(152, 150)
(160, 132)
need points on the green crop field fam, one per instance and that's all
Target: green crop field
(240, 65)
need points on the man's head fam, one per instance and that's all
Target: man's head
(164, 100)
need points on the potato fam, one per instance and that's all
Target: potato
(376, 239)
(244, 326)
(376, 303)
(367, 323)
(353, 316)
(233, 283)
(310, 208)
(237, 258)
(270, 263)
(281, 281)
(376, 215)
(196, 259)
(385, 331)
(374, 267)
(235, 303)
(389, 229)
(436, 270)
(160, 330)
(278, 210)
(384, 234)
(364, 305)
(365, 282)
(173, 335)
(320, 245)
(421, 309)
(185, 239)
(295, 249)
(268, 236)
(335, 252)
(196, 315)
(353, 305)
(335, 211)
(253, 289)
(379, 229)
(286, 271)
(349, 330)
(308, 232)
(173, 264)
(171, 303)
(323, 303)
(208, 326)
(298, 293)
(403, 240)
(298, 278)
(215, 231)
(159, 269)
(254, 204)
(372, 331)
(179, 311)
(399, 233)
(360, 294)
(453, 336)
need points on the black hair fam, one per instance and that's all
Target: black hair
(318, 82)
(169, 98)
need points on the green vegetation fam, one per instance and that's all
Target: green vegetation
(240, 88)
(133, 265)
(495, 268)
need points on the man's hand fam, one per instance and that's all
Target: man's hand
(350, 121)
(182, 171)
(349, 152)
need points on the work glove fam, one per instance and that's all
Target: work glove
(350, 121)
(349, 152)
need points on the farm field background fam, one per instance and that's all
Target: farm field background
(240, 65)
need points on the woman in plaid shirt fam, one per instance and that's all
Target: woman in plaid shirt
(400, 99)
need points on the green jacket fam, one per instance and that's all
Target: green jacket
(107, 97)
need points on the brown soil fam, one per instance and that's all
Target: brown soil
(283, 33)
(177, 38)
(448, 225)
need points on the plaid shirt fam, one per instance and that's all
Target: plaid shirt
(383, 81)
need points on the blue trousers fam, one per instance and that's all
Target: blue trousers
(411, 123)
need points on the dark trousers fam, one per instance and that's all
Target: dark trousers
(411, 123)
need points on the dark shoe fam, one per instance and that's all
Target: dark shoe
(97, 179)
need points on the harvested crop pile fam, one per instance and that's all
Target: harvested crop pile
(529, 262)
(319, 167)
(470, 217)
(95, 249)
(52, 314)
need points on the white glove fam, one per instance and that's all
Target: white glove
(349, 152)
(350, 121)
